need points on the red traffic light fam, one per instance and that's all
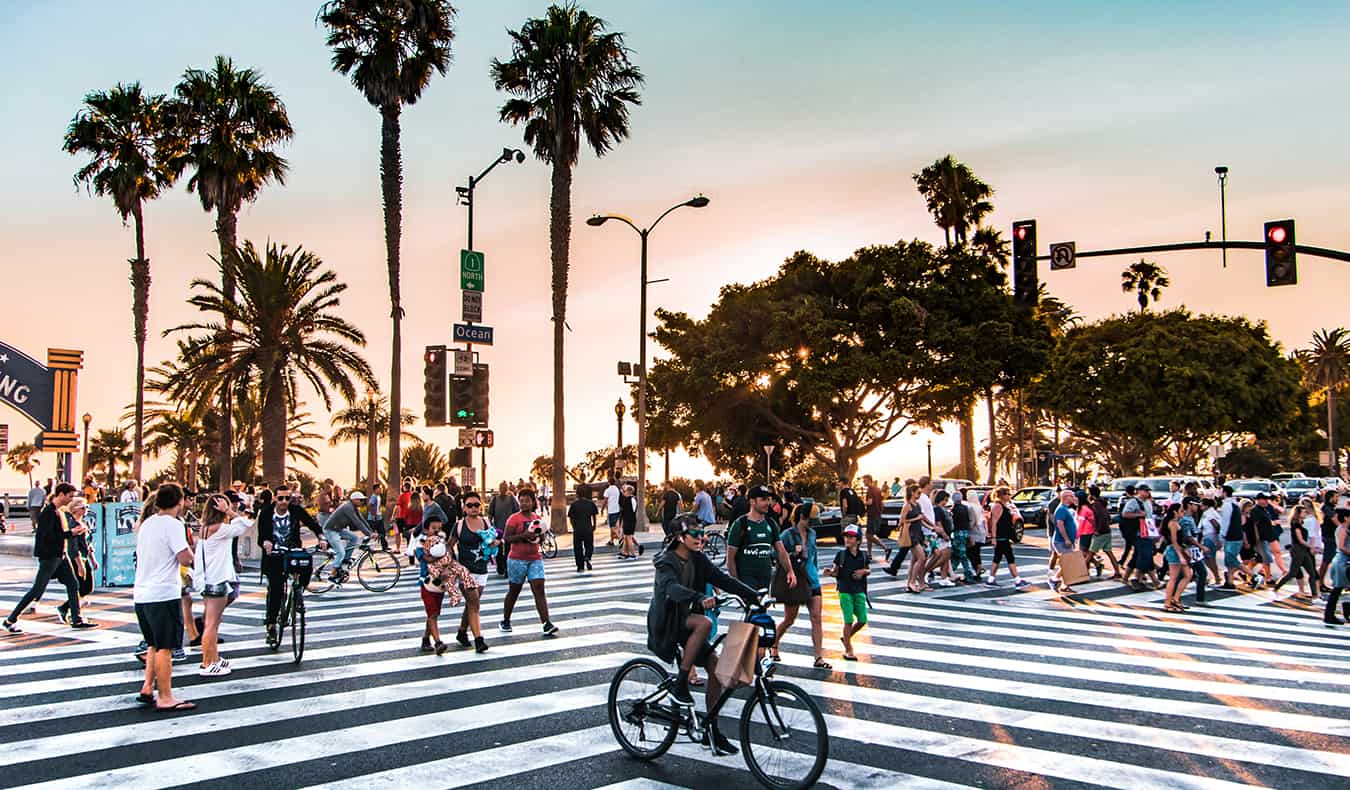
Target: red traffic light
(1021, 232)
(1277, 234)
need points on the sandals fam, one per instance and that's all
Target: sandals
(696, 681)
(145, 699)
(850, 657)
(822, 664)
(177, 707)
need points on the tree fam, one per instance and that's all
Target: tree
(21, 459)
(1147, 280)
(108, 448)
(123, 132)
(1139, 382)
(833, 360)
(568, 78)
(424, 462)
(283, 327)
(352, 424)
(957, 199)
(229, 124)
(1326, 367)
(391, 49)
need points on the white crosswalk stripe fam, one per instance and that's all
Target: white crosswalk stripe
(960, 687)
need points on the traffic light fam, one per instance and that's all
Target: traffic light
(434, 387)
(482, 438)
(479, 395)
(1024, 262)
(461, 457)
(461, 401)
(1281, 263)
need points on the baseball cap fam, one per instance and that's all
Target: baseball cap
(852, 529)
(759, 492)
(356, 496)
(1143, 487)
(1262, 495)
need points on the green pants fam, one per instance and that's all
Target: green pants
(854, 606)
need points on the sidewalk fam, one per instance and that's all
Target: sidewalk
(18, 538)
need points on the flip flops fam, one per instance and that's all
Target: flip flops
(177, 707)
(145, 699)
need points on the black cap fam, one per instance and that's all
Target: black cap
(1129, 488)
(1143, 487)
(1262, 495)
(759, 492)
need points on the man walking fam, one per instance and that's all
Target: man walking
(581, 514)
(754, 546)
(1063, 531)
(703, 504)
(525, 563)
(875, 531)
(49, 547)
(670, 506)
(161, 548)
(37, 497)
(613, 510)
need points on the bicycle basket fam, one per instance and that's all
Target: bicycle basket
(298, 560)
(765, 624)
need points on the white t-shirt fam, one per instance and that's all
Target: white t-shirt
(158, 542)
(926, 507)
(129, 495)
(612, 495)
(214, 561)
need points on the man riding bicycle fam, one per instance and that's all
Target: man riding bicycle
(337, 530)
(676, 614)
(279, 529)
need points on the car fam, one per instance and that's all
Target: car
(890, 514)
(1333, 483)
(1297, 487)
(828, 525)
(979, 494)
(1116, 492)
(1033, 503)
(1280, 476)
(950, 484)
(1248, 488)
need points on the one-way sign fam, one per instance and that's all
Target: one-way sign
(479, 334)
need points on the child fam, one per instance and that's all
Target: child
(850, 571)
(444, 575)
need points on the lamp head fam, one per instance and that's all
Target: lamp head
(87, 418)
(513, 153)
(596, 221)
(698, 202)
(1221, 170)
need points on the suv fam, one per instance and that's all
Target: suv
(950, 484)
(1034, 504)
(1282, 476)
(1116, 492)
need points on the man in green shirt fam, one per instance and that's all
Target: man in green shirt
(753, 544)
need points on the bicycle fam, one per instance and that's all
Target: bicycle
(378, 570)
(781, 755)
(548, 544)
(715, 545)
(292, 611)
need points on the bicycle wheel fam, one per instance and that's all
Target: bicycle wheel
(297, 624)
(716, 548)
(379, 571)
(318, 580)
(549, 546)
(641, 715)
(783, 737)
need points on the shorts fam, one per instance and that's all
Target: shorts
(916, 534)
(815, 592)
(942, 544)
(479, 580)
(1003, 550)
(1144, 550)
(1171, 558)
(705, 652)
(630, 528)
(1061, 548)
(1211, 544)
(854, 606)
(519, 571)
(161, 624)
(431, 601)
(1085, 542)
(1263, 551)
(614, 520)
(848, 521)
(1100, 543)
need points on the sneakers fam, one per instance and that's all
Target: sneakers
(721, 747)
(427, 647)
(480, 645)
(273, 637)
(215, 670)
(940, 582)
(83, 625)
(588, 566)
(504, 626)
(550, 629)
(679, 693)
(891, 573)
(990, 582)
(63, 612)
(179, 654)
(13, 627)
(1020, 582)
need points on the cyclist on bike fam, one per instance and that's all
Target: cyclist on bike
(676, 614)
(338, 531)
(279, 529)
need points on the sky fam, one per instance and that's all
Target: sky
(803, 123)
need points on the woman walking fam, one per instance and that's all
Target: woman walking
(1179, 531)
(213, 571)
(799, 540)
(471, 547)
(1339, 571)
(1301, 560)
(629, 548)
(911, 541)
(78, 554)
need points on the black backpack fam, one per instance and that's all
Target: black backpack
(961, 517)
(1234, 531)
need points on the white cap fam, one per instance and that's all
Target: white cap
(356, 495)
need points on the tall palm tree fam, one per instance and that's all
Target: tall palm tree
(21, 459)
(352, 424)
(229, 123)
(568, 78)
(1147, 280)
(171, 431)
(956, 198)
(123, 132)
(284, 326)
(108, 448)
(1326, 365)
(391, 49)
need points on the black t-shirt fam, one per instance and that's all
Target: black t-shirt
(469, 548)
(845, 563)
(1261, 524)
(1101, 517)
(581, 515)
(1003, 530)
(852, 504)
(1233, 529)
(670, 504)
(1297, 531)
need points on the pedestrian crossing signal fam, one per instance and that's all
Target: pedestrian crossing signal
(1281, 263)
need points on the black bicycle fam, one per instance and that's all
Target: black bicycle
(783, 736)
(292, 612)
(378, 569)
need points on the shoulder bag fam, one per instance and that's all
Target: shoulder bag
(799, 593)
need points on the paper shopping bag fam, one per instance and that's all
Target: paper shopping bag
(736, 664)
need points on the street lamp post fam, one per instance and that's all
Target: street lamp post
(596, 221)
(84, 462)
(1222, 172)
(466, 193)
(618, 442)
(930, 459)
(768, 465)
(372, 452)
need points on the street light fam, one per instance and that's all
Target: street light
(466, 193)
(930, 459)
(1222, 172)
(618, 443)
(596, 221)
(84, 462)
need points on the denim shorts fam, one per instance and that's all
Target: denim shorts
(1231, 550)
(518, 571)
(1263, 551)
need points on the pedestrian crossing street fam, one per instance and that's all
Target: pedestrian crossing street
(962, 687)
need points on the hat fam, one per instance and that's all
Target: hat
(852, 529)
(759, 492)
(1190, 500)
(1262, 495)
(356, 496)
(1129, 488)
(1143, 487)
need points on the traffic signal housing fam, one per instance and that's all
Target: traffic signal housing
(461, 401)
(478, 395)
(1024, 262)
(482, 438)
(433, 388)
(1281, 263)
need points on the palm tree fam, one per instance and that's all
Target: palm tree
(229, 123)
(391, 49)
(957, 199)
(1326, 366)
(1147, 280)
(108, 448)
(284, 326)
(423, 462)
(174, 432)
(123, 132)
(21, 459)
(352, 424)
(567, 78)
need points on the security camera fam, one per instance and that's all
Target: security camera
(1221, 170)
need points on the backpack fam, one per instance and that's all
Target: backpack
(961, 517)
(1234, 524)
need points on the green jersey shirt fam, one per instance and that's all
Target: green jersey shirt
(756, 549)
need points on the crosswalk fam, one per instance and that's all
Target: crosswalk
(961, 687)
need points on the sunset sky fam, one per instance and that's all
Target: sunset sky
(802, 121)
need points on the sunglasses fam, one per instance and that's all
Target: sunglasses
(472, 504)
(694, 533)
(282, 499)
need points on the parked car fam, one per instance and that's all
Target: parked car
(1333, 483)
(1033, 503)
(1248, 488)
(829, 524)
(1278, 476)
(1296, 487)
(950, 484)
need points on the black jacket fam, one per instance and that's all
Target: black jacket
(299, 517)
(672, 602)
(49, 536)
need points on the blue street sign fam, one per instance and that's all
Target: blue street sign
(473, 333)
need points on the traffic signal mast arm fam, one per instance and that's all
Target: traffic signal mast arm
(1301, 249)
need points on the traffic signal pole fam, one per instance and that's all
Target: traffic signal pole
(1301, 249)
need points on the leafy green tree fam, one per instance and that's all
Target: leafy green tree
(109, 448)
(123, 131)
(833, 360)
(1142, 381)
(956, 198)
(1326, 368)
(569, 79)
(1146, 280)
(424, 462)
(391, 49)
(22, 458)
(228, 124)
(284, 327)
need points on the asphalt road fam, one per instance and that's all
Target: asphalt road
(968, 687)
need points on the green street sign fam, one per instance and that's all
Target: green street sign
(471, 270)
